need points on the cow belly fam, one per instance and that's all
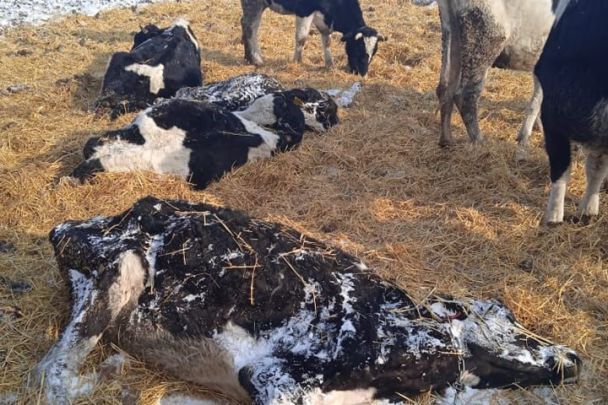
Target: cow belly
(527, 23)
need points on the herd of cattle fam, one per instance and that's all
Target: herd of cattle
(266, 314)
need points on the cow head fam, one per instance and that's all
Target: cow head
(320, 110)
(361, 46)
(498, 352)
(145, 33)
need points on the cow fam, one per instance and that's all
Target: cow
(344, 16)
(479, 34)
(572, 70)
(267, 315)
(200, 141)
(160, 62)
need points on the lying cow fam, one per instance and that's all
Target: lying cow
(478, 34)
(161, 62)
(267, 315)
(572, 72)
(344, 16)
(200, 142)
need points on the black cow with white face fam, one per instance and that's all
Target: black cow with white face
(344, 16)
(572, 71)
(201, 141)
(268, 315)
(161, 62)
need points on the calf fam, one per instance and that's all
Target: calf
(268, 315)
(161, 62)
(572, 72)
(344, 16)
(478, 34)
(200, 141)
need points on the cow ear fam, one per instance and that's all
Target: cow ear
(358, 36)
(346, 37)
(382, 38)
(298, 101)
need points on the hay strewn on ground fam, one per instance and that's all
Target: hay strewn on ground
(457, 221)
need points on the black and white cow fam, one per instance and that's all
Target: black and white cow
(572, 71)
(269, 316)
(161, 62)
(478, 34)
(200, 141)
(345, 16)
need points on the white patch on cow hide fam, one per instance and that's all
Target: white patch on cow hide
(185, 24)
(352, 397)
(163, 151)
(129, 284)
(269, 139)
(261, 111)
(154, 73)
(370, 45)
(177, 398)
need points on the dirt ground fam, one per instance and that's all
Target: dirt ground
(463, 221)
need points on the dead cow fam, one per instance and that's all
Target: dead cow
(345, 16)
(200, 141)
(161, 62)
(268, 315)
(478, 34)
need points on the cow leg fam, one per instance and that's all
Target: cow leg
(303, 25)
(558, 150)
(532, 115)
(94, 309)
(450, 71)
(596, 169)
(467, 100)
(325, 39)
(250, 25)
(58, 370)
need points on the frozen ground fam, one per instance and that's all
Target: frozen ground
(15, 12)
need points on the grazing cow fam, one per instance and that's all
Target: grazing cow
(161, 62)
(572, 72)
(345, 16)
(478, 34)
(200, 141)
(270, 316)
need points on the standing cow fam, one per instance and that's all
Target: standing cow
(344, 16)
(572, 71)
(478, 34)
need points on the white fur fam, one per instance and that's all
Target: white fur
(596, 169)
(129, 284)
(185, 24)
(353, 397)
(163, 151)
(155, 73)
(555, 206)
(370, 44)
(260, 113)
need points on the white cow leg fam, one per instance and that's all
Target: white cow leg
(532, 115)
(58, 370)
(555, 207)
(250, 24)
(596, 169)
(303, 25)
(325, 39)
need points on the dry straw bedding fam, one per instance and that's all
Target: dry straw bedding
(458, 221)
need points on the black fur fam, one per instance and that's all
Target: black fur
(572, 70)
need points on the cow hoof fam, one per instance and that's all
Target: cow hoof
(446, 143)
